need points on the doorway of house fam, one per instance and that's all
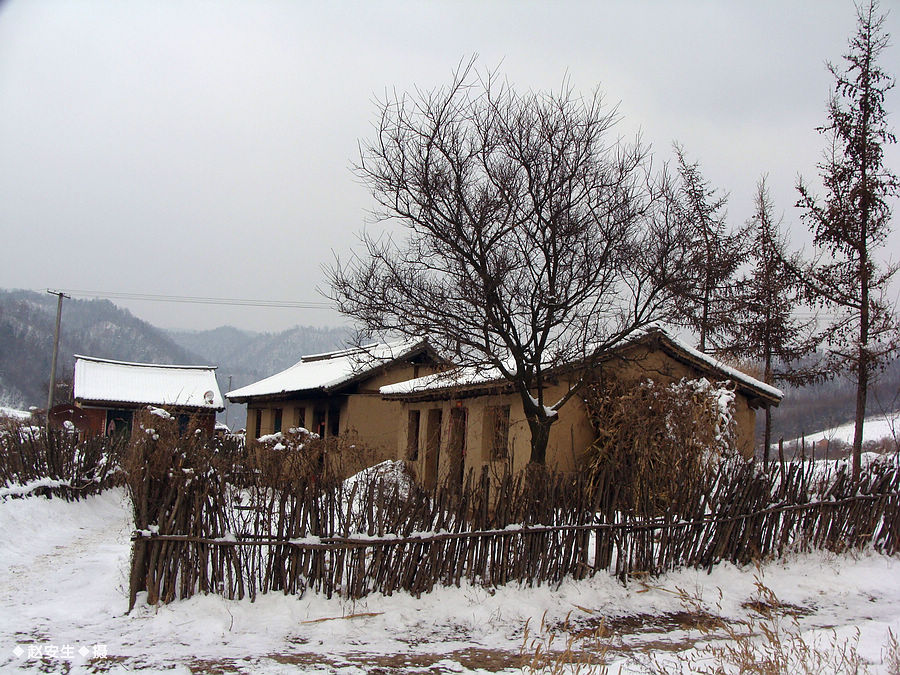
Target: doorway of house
(457, 447)
(432, 448)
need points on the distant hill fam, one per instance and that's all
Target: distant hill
(260, 353)
(244, 356)
(100, 328)
(809, 409)
(90, 327)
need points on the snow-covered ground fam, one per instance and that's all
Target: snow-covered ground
(875, 428)
(63, 595)
(14, 414)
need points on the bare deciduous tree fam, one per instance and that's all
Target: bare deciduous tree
(853, 220)
(535, 239)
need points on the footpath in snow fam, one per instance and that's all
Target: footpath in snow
(63, 596)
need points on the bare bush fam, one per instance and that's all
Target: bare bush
(686, 429)
(47, 461)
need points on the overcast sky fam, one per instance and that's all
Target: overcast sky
(204, 148)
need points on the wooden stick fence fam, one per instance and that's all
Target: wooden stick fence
(220, 524)
(55, 462)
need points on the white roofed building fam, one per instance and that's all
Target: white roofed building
(109, 392)
(338, 392)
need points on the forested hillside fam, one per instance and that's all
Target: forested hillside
(91, 327)
(812, 408)
(100, 328)
(260, 353)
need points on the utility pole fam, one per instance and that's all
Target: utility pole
(226, 404)
(60, 295)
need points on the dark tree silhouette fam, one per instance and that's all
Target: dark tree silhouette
(853, 220)
(705, 306)
(534, 238)
(766, 327)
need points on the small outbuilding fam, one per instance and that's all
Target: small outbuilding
(109, 393)
(338, 392)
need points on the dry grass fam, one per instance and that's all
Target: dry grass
(682, 433)
(578, 653)
(768, 642)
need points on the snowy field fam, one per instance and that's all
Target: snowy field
(875, 428)
(63, 596)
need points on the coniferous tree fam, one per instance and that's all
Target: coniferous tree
(766, 327)
(853, 220)
(705, 305)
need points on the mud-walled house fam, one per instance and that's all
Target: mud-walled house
(454, 422)
(338, 393)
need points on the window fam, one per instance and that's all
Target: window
(118, 421)
(496, 432)
(276, 420)
(258, 428)
(183, 422)
(456, 447)
(301, 417)
(412, 436)
(432, 448)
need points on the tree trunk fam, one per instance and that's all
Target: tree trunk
(540, 437)
(768, 379)
(862, 382)
(862, 387)
(539, 422)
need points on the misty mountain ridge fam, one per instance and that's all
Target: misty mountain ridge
(90, 327)
(262, 353)
(101, 329)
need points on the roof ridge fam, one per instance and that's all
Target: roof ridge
(97, 359)
(324, 356)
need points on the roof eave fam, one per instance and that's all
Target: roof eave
(757, 396)
(102, 403)
(280, 395)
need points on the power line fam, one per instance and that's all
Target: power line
(199, 300)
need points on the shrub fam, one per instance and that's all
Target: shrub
(48, 461)
(646, 433)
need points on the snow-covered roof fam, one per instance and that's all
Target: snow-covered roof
(739, 377)
(465, 378)
(458, 378)
(332, 370)
(12, 413)
(105, 381)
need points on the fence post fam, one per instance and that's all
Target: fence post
(138, 578)
(781, 455)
